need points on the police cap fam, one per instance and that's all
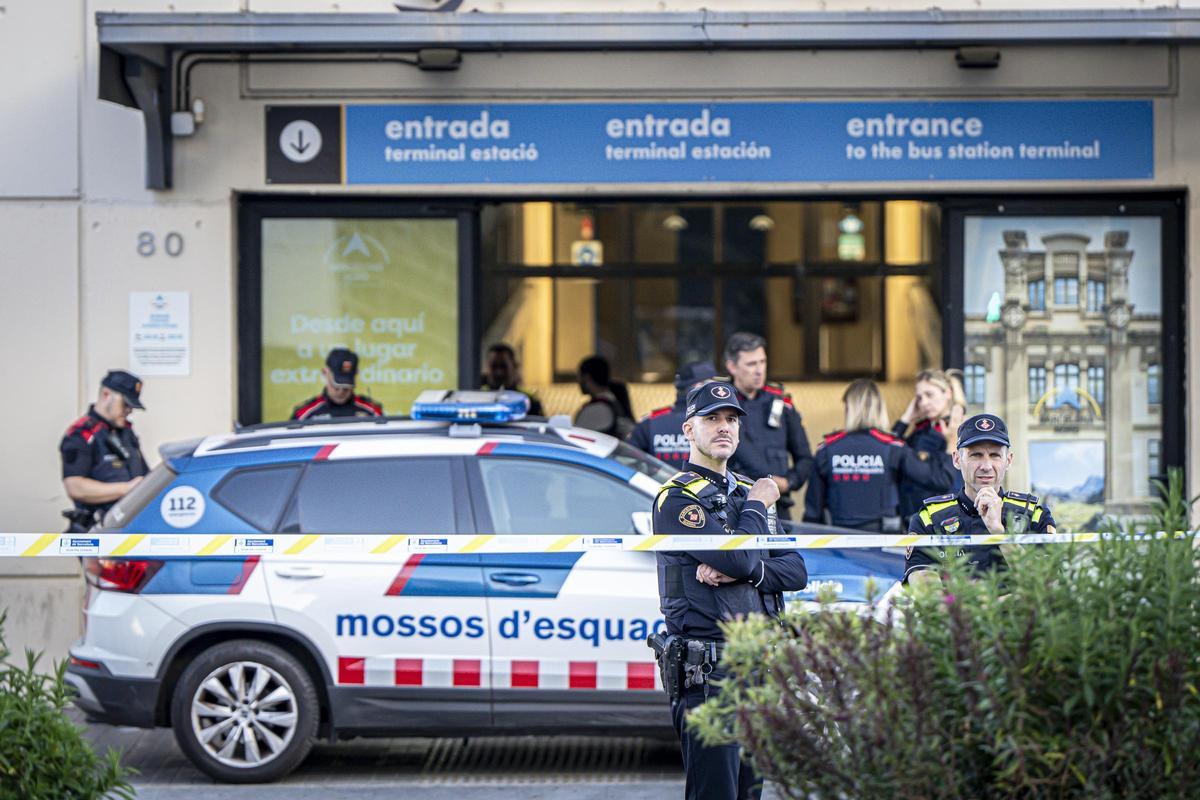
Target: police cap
(125, 384)
(343, 366)
(693, 373)
(711, 396)
(983, 428)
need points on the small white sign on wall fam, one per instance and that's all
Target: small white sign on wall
(160, 338)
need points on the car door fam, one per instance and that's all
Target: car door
(568, 629)
(404, 641)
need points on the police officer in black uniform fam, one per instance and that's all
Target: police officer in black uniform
(338, 399)
(859, 469)
(698, 589)
(101, 456)
(660, 433)
(774, 443)
(982, 506)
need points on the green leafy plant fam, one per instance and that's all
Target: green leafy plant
(43, 754)
(1075, 674)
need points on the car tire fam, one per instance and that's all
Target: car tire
(245, 711)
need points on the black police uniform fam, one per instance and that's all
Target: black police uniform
(343, 368)
(321, 407)
(700, 501)
(857, 476)
(660, 433)
(955, 515)
(928, 443)
(92, 448)
(951, 515)
(773, 442)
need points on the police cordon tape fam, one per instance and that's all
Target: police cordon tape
(384, 547)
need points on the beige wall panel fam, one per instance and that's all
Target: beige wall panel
(39, 102)
(39, 336)
(44, 615)
(177, 407)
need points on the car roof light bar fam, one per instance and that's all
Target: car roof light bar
(468, 407)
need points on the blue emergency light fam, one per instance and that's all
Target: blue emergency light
(448, 406)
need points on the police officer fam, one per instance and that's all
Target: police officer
(101, 456)
(774, 443)
(933, 415)
(982, 506)
(338, 399)
(699, 589)
(501, 371)
(858, 469)
(660, 433)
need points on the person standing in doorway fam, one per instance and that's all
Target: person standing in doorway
(773, 441)
(338, 399)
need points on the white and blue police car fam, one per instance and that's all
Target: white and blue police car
(249, 659)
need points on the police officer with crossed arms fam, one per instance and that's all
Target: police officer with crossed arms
(699, 589)
(982, 506)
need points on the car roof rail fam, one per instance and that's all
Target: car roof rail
(299, 424)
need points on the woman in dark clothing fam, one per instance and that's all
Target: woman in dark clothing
(933, 416)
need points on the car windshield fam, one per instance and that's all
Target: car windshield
(631, 457)
(138, 497)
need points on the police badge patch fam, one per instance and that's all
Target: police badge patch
(692, 516)
(951, 525)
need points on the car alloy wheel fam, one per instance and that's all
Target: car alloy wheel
(244, 714)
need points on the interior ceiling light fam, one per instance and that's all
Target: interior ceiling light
(761, 222)
(675, 223)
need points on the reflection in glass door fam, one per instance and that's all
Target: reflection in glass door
(1063, 338)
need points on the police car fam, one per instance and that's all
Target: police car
(250, 658)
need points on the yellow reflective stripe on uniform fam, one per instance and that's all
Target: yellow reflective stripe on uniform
(928, 511)
(1037, 514)
(695, 486)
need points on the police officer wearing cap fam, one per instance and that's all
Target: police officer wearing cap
(101, 456)
(338, 399)
(982, 506)
(660, 433)
(856, 483)
(774, 443)
(700, 589)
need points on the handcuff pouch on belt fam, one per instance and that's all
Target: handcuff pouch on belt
(683, 663)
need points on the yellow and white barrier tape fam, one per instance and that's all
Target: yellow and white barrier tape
(385, 547)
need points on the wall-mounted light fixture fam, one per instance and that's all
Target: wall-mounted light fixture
(439, 59)
(977, 57)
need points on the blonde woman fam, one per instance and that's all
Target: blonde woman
(859, 469)
(930, 426)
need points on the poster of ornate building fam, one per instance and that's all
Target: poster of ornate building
(1063, 336)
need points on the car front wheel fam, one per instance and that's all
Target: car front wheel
(245, 711)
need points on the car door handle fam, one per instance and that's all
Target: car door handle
(299, 572)
(515, 578)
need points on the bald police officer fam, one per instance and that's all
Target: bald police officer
(982, 506)
(101, 456)
(700, 589)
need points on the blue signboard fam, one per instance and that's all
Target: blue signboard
(588, 143)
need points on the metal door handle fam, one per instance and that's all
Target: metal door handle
(515, 578)
(299, 572)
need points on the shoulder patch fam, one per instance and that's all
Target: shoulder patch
(1021, 496)
(941, 498)
(692, 516)
(886, 438)
(659, 412)
(777, 389)
(830, 438)
(307, 407)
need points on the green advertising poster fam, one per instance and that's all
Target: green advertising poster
(385, 288)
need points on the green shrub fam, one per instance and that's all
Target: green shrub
(1076, 674)
(43, 755)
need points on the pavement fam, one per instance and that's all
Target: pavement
(534, 768)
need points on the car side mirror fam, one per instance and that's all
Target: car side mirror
(643, 522)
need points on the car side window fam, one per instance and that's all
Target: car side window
(378, 495)
(543, 497)
(257, 494)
